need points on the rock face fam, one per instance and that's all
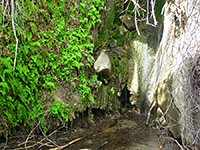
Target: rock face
(165, 102)
(103, 66)
(67, 96)
(166, 70)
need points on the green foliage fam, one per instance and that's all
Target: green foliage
(59, 109)
(16, 96)
(120, 42)
(55, 46)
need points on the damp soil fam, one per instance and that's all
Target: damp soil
(121, 132)
(127, 132)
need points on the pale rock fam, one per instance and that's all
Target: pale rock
(103, 66)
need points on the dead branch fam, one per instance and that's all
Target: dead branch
(9, 8)
(152, 13)
(5, 143)
(30, 134)
(176, 142)
(5, 8)
(78, 139)
(37, 143)
(14, 30)
(66, 145)
(47, 137)
(126, 7)
(137, 13)
(149, 112)
(46, 144)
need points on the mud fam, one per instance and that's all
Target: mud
(128, 132)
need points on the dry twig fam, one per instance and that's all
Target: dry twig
(47, 137)
(11, 8)
(137, 13)
(39, 142)
(14, 30)
(78, 139)
(30, 134)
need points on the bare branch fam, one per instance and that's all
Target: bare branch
(176, 142)
(126, 7)
(153, 11)
(137, 11)
(136, 24)
(14, 30)
(47, 137)
(5, 143)
(4, 9)
(2, 5)
(30, 134)
(17, 5)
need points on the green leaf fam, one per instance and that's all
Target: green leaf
(36, 44)
(4, 88)
(29, 36)
(4, 72)
(33, 27)
(6, 61)
(49, 85)
(91, 98)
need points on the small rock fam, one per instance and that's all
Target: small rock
(89, 142)
(117, 50)
(128, 21)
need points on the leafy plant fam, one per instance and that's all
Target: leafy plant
(59, 109)
(55, 46)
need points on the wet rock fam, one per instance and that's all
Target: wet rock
(117, 50)
(103, 66)
(128, 21)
